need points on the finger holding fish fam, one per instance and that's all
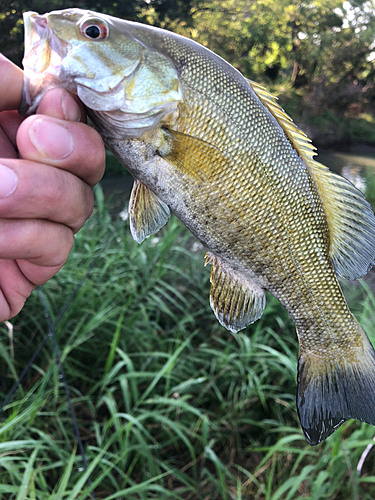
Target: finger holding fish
(39, 246)
(60, 160)
(32, 251)
(11, 82)
(69, 145)
(44, 199)
(60, 104)
(9, 123)
(40, 191)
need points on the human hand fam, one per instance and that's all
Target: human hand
(48, 164)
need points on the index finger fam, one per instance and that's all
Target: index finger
(11, 81)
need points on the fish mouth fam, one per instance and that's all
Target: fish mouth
(44, 53)
(35, 27)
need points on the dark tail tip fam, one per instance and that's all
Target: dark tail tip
(320, 428)
(330, 392)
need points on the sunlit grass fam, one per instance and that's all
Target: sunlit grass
(169, 404)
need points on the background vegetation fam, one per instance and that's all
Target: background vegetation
(169, 404)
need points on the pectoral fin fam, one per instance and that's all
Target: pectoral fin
(236, 301)
(147, 213)
(196, 158)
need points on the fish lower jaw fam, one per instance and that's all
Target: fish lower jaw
(33, 90)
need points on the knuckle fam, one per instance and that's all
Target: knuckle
(86, 206)
(93, 151)
(57, 252)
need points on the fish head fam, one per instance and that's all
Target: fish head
(98, 57)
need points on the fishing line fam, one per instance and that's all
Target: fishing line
(59, 316)
(50, 334)
(65, 384)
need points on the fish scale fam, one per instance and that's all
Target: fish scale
(216, 149)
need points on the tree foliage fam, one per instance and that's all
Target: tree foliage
(322, 48)
(325, 48)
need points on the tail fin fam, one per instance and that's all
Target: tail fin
(331, 391)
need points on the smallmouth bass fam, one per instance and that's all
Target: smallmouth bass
(216, 150)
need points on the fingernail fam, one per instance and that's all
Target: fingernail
(51, 140)
(70, 108)
(8, 181)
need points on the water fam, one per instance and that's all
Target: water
(357, 166)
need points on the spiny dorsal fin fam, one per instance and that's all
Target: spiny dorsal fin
(147, 213)
(350, 218)
(236, 301)
(299, 140)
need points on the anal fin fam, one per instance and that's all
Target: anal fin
(236, 301)
(147, 213)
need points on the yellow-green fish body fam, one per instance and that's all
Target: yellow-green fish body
(216, 150)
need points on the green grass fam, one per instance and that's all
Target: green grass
(169, 404)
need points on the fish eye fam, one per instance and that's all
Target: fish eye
(94, 29)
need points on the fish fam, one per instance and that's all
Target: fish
(216, 149)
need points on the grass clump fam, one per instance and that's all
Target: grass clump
(169, 404)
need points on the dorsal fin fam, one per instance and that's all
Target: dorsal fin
(298, 139)
(350, 218)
